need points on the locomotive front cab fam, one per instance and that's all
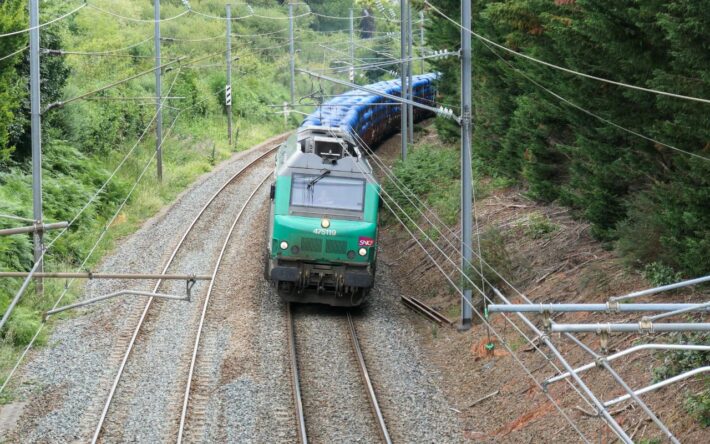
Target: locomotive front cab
(324, 230)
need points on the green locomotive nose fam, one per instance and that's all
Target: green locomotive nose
(323, 239)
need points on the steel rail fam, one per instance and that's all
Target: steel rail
(205, 305)
(295, 383)
(380, 419)
(428, 312)
(119, 374)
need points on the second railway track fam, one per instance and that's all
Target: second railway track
(333, 395)
(158, 361)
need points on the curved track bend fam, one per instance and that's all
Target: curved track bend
(136, 332)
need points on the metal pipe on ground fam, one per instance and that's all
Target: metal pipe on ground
(641, 327)
(605, 363)
(692, 307)
(654, 290)
(659, 385)
(116, 294)
(89, 275)
(607, 307)
(679, 347)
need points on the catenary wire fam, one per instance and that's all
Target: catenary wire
(61, 52)
(14, 53)
(131, 19)
(108, 52)
(502, 341)
(395, 180)
(483, 319)
(562, 68)
(433, 213)
(596, 116)
(104, 88)
(42, 25)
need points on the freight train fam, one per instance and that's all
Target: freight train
(322, 233)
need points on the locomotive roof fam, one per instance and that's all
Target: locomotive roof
(290, 157)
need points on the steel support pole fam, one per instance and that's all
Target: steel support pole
(352, 47)
(291, 54)
(229, 71)
(158, 93)
(466, 185)
(36, 137)
(403, 73)
(421, 40)
(410, 86)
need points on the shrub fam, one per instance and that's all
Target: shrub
(660, 274)
(698, 406)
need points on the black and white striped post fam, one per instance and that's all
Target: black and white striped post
(228, 89)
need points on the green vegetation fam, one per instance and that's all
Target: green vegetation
(698, 406)
(658, 274)
(538, 225)
(85, 141)
(432, 173)
(651, 202)
(677, 362)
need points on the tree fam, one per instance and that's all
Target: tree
(649, 199)
(13, 17)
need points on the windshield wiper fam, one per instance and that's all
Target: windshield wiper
(316, 179)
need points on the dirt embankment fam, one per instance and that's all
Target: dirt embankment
(549, 256)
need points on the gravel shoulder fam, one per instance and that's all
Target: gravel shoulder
(62, 383)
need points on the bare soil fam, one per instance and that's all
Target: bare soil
(498, 401)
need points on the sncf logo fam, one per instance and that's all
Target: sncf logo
(366, 241)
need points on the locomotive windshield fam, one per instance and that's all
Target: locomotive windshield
(326, 191)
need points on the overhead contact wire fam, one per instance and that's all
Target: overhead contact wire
(401, 187)
(42, 25)
(502, 341)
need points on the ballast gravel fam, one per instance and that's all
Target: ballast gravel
(242, 389)
(66, 382)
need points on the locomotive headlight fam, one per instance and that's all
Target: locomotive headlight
(284, 245)
(362, 251)
(325, 222)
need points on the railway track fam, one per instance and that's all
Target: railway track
(378, 421)
(209, 207)
(199, 416)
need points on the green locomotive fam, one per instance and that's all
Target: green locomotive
(323, 222)
(322, 240)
